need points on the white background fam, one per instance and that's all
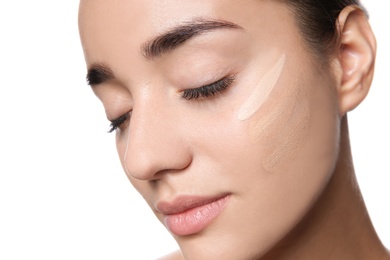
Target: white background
(63, 194)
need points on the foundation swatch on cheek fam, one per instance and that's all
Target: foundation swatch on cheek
(262, 90)
(283, 129)
(290, 138)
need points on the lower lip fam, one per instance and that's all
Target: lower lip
(195, 220)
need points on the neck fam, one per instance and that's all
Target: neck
(338, 226)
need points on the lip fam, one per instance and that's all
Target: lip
(188, 215)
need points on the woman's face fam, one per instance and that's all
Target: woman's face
(227, 127)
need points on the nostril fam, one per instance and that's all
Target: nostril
(139, 166)
(152, 169)
(150, 163)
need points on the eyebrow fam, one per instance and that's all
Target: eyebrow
(182, 33)
(168, 41)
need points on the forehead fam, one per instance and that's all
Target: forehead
(116, 30)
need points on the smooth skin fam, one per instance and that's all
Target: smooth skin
(308, 204)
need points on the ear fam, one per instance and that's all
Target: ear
(357, 50)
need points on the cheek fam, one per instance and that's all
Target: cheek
(282, 129)
(296, 135)
(291, 148)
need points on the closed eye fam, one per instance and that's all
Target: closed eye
(116, 123)
(188, 94)
(208, 90)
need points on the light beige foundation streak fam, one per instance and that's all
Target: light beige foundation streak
(262, 90)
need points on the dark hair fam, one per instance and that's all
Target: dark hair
(317, 21)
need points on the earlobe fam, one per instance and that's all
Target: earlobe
(357, 50)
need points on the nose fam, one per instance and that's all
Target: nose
(155, 143)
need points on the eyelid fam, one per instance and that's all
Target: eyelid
(209, 90)
(118, 122)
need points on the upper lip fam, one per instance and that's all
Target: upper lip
(184, 203)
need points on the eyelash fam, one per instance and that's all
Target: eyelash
(118, 122)
(208, 90)
(188, 94)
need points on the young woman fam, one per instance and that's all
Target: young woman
(231, 120)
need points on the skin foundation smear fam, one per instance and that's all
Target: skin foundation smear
(262, 91)
(283, 129)
(291, 136)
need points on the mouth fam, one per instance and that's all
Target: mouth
(188, 215)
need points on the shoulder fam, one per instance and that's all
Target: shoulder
(173, 256)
